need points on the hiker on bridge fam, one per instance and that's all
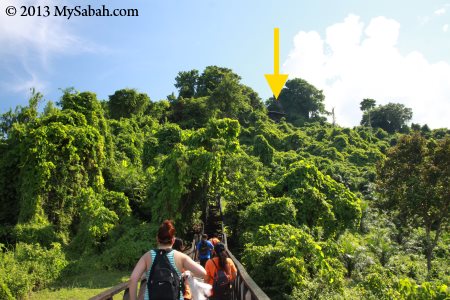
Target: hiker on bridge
(163, 266)
(220, 273)
(214, 239)
(204, 249)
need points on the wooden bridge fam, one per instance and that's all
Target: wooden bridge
(243, 288)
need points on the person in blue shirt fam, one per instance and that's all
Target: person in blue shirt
(204, 249)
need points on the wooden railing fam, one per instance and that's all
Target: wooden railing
(244, 287)
(108, 294)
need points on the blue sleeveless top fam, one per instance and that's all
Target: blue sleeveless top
(172, 262)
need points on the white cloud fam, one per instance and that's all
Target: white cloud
(28, 45)
(445, 28)
(355, 61)
(440, 11)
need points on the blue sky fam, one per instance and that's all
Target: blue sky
(393, 51)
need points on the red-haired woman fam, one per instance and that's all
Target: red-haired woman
(178, 260)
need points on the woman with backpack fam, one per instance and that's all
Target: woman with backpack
(220, 272)
(162, 267)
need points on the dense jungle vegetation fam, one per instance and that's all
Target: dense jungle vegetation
(313, 210)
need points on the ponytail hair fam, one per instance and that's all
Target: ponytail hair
(219, 248)
(166, 232)
(222, 259)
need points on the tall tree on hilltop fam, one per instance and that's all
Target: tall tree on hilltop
(210, 79)
(126, 103)
(186, 83)
(228, 98)
(366, 106)
(301, 102)
(390, 117)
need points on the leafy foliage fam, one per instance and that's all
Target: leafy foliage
(127, 102)
(301, 102)
(320, 201)
(390, 117)
(293, 255)
(29, 267)
(415, 181)
(272, 211)
(84, 185)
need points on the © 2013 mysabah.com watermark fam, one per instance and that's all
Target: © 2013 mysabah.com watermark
(69, 11)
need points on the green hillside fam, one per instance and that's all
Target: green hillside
(313, 210)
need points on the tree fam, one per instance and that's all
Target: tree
(320, 200)
(186, 83)
(211, 77)
(228, 99)
(366, 106)
(218, 93)
(271, 211)
(263, 149)
(415, 182)
(281, 257)
(333, 117)
(189, 173)
(127, 102)
(190, 112)
(301, 102)
(21, 114)
(87, 104)
(390, 117)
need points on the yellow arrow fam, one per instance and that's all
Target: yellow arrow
(276, 81)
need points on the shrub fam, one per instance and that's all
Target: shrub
(274, 211)
(410, 265)
(408, 289)
(33, 232)
(294, 257)
(378, 282)
(340, 142)
(263, 150)
(5, 293)
(358, 157)
(29, 267)
(127, 245)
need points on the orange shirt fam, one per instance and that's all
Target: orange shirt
(211, 269)
(187, 291)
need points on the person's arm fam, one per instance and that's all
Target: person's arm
(211, 246)
(195, 268)
(138, 270)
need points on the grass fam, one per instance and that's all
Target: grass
(82, 286)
